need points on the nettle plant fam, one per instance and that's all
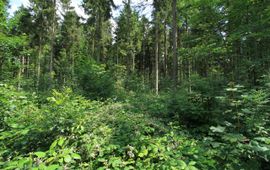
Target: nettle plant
(241, 137)
(59, 156)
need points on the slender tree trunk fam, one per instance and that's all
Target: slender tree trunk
(189, 60)
(132, 59)
(20, 72)
(102, 53)
(72, 68)
(165, 50)
(23, 66)
(157, 55)
(38, 65)
(99, 30)
(52, 40)
(180, 60)
(70, 71)
(28, 67)
(143, 61)
(175, 58)
(93, 47)
(117, 54)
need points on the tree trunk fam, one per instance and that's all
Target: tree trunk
(157, 55)
(52, 40)
(99, 30)
(73, 68)
(133, 61)
(20, 72)
(165, 50)
(117, 54)
(175, 58)
(28, 67)
(130, 52)
(93, 47)
(189, 60)
(38, 64)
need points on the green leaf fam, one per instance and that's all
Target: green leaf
(263, 139)
(61, 160)
(53, 145)
(233, 137)
(52, 167)
(192, 168)
(49, 159)
(192, 163)
(232, 89)
(247, 111)
(182, 164)
(115, 162)
(218, 129)
(61, 141)
(67, 158)
(40, 154)
(215, 144)
(76, 156)
(101, 160)
(143, 152)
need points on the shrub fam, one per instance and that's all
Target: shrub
(94, 80)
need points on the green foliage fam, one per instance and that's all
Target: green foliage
(3, 15)
(129, 34)
(68, 131)
(193, 104)
(11, 49)
(241, 137)
(216, 116)
(72, 132)
(95, 80)
(233, 126)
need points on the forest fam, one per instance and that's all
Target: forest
(164, 84)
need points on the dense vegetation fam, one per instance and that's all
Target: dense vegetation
(188, 88)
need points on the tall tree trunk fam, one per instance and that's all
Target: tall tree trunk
(20, 71)
(180, 74)
(102, 53)
(93, 47)
(38, 64)
(99, 30)
(28, 67)
(117, 54)
(133, 61)
(73, 68)
(165, 50)
(143, 61)
(175, 58)
(157, 54)
(130, 51)
(52, 40)
(189, 62)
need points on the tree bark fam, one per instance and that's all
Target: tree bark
(52, 40)
(99, 31)
(165, 50)
(175, 58)
(157, 55)
(38, 64)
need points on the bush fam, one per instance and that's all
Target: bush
(195, 104)
(68, 131)
(71, 132)
(94, 80)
